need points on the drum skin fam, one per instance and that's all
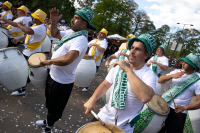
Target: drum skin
(4, 38)
(85, 72)
(14, 69)
(158, 87)
(111, 64)
(46, 45)
(96, 127)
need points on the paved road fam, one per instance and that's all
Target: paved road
(19, 113)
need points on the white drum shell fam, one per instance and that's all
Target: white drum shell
(14, 69)
(158, 87)
(85, 72)
(46, 45)
(39, 76)
(156, 123)
(4, 38)
(111, 64)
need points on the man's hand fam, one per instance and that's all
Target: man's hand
(2, 19)
(124, 65)
(178, 74)
(179, 108)
(107, 65)
(151, 61)
(93, 44)
(15, 41)
(54, 15)
(122, 53)
(89, 105)
(44, 63)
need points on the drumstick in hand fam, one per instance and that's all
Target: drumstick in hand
(173, 100)
(41, 61)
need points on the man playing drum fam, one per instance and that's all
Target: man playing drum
(97, 49)
(185, 83)
(158, 62)
(123, 50)
(6, 14)
(13, 29)
(33, 40)
(68, 52)
(134, 85)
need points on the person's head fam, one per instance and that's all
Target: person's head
(6, 5)
(39, 16)
(141, 48)
(129, 36)
(62, 22)
(22, 11)
(191, 62)
(160, 50)
(82, 19)
(102, 34)
(29, 14)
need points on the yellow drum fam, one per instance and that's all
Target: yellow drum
(37, 74)
(96, 127)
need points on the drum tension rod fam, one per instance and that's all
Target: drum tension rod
(4, 54)
(18, 52)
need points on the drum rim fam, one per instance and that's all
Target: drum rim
(90, 123)
(30, 56)
(156, 111)
(4, 28)
(4, 49)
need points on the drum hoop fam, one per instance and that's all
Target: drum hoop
(152, 110)
(4, 49)
(30, 56)
(91, 123)
(4, 28)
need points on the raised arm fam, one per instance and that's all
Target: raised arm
(8, 21)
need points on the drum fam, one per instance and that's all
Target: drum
(192, 120)
(96, 127)
(107, 95)
(14, 68)
(85, 71)
(4, 38)
(111, 64)
(46, 45)
(158, 87)
(37, 74)
(153, 115)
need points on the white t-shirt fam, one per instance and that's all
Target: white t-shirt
(185, 97)
(122, 46)
(133, 104)
(24, 20)
(66, 74)
(103, 44)
(8, 16)
(163, 60)
(29, 20)
(66, 33)
(63, 28)
(39, 34)
(117, 54)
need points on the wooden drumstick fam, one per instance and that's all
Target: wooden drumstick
(6, 34)
(173, 100)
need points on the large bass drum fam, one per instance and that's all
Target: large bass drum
(37, 74)
(153, 115)
(85, 71)
(4, 38)
(46, 45)
(96, 127)
(13, 68)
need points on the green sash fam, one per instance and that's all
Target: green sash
(154, 66)
(180, 87)
(67, 38)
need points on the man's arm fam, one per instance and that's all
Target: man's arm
(147, 64)
(109, 59)
(99, 92)
(55, 32)
(165, 78)
(15, 41)
(163, 67)
(101, 49)
(25, 29)
(63, 60)
(7, 21)
(192, 106)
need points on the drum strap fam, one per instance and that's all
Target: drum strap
(94, 48)
(7, 13)
(16, 34)
(154, 66)
(180, 87)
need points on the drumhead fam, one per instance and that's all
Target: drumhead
(88, 57)
(96, 127)
(158, 105)
(34, 60)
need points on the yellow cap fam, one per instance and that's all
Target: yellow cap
(8, 4)
(129, 36)
(23, 8)
(104, 31)
(39, 14)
